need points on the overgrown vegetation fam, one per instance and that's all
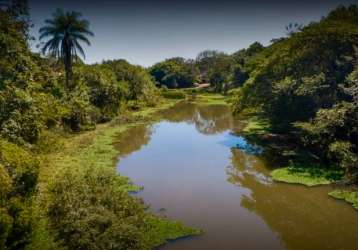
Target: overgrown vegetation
(222, 71)
(302, 89)
(306, 175)
(58, 192)
(305, 86)
(18, 175)
(173, 94)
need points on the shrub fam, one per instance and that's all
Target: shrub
(79, 115)
(18, 176)
(20, 119)
(105, 92)
(173, 94)
(89, 210)
(141, 86)
(22, 167)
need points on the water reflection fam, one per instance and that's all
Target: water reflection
(134, 138)
(305, 218)
(207, 119)
(194, 168)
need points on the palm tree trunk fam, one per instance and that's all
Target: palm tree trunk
(68, 69)
(68, 63)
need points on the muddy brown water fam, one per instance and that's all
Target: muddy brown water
(196, 168)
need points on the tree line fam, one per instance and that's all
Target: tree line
(222, 71)
(51, 94)
(305, 86)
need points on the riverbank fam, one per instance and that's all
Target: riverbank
(197, 167)
(93, 153)
(307, 174)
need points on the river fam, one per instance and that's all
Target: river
(195, 167)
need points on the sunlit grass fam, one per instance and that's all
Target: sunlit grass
(306, 175)
(346, 195)
(210, 99)
(256, 125)
(174, 94)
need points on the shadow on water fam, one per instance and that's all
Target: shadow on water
(195, 167)
(305, 218)
(134, 139)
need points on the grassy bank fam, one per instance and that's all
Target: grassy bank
(210, 99)
(256, 125)
(308, 176)
(199, 96)
(346, 195)
(86, 157)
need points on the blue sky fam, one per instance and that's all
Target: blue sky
(145, 32)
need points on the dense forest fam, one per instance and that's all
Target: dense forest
(306, 86)
(303, 86)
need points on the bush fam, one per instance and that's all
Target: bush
(89, 210)
(18, 177)
(174, 94)
(105, 92)
(141, 86)
(6, 182)
(20, 119)
(80, 114)
(175, 73)
(22, 167)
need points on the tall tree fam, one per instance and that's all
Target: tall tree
(65, 31)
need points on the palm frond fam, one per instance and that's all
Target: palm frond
(65, 26)
(80, 49)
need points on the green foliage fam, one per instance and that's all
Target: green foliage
(22, 167)
(215, 68)
(141, 87)
(206, 61)
(224, 71)
(175, 73)
(347, 157)
(220, 73)
(105, 92)
(161, 231)
(296, 76)
(89, 205)
(256, 125)
(27, 87)
(65, 32)
(6, 182)
(173, 94)
(241, 59)
(306, 175)
(36, 105)
(307, 84)
(89, 210)
(210, 99)
(18, 176)
(80, 115)
(333, 131)
(19, 118)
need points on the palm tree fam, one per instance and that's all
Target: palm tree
(65, 32)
